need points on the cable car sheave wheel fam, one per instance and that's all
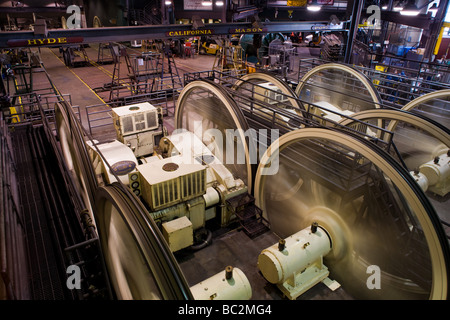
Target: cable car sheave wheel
(371, 208)
(419, 144)
(434, 105)
(139, 262)
(342, 82)
(208, 111)
(75, 154)
(416, 138)
(334, 89)
(258, 92)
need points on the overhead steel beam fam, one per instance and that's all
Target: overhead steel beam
(117, 34)
(422, 21)
(30, 10)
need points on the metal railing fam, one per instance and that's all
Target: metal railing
(99, 117)
(396, 84)
(263, 110)
(26, 108)
(223, 77)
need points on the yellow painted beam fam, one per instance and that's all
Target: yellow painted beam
(439, 40)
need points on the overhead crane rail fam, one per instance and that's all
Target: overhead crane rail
(131, 33)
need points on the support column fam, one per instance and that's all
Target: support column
(356, 16)
(435, 29)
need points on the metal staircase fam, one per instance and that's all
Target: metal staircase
(169, 79)
(249, 215)
(116, 80)
(150, 14)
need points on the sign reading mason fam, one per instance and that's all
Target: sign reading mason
(189, 33)
(44, 41)
(247, 30)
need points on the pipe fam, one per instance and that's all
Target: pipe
(204, 243)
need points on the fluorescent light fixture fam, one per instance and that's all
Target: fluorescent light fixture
(384, 7)
(219, 3)
(410, 13)
(398, 6)
(410, 10)
(168, 3)
(314, 6)
(206, 3)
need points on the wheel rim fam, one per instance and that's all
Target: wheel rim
(433, 105)
(252, 86)
(417, 139)
(339, 87)
(139, 263)
(72, 153)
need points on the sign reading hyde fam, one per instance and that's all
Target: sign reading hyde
(73, 22)
(44, 41)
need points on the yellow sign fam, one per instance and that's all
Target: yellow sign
(37, 42)
(247, 30)
(296, 3)
(189, 33)
(43, 41)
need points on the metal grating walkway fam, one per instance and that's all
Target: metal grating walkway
(45, 280)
